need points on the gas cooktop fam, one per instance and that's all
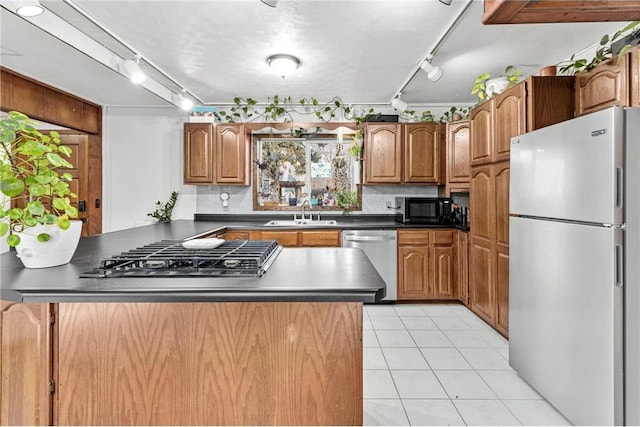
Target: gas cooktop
(168, 258)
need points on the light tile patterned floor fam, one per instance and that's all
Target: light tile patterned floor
(439, 364)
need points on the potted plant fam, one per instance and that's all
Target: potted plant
(164, 211)
(39, 205)
(355, 148)
(347, 200)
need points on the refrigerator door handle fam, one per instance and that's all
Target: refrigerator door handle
(619, 257)
(619, 187)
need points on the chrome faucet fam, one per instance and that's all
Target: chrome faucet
(306, 201)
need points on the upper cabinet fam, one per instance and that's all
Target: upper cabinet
(613, 82)
(458, 167)
(534, 103)
(383, 154)
(541, 11)
(403, 153)
(216, 154)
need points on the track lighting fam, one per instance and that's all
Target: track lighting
(433, 72)
(283, 64)
(131, 69)
(29, 8)
(399, 104)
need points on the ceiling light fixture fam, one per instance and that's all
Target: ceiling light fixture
(399, 104)
(29, 9)
(447, 2)
(283, 64)
(433, 72)
(131, 69)
(274, 3)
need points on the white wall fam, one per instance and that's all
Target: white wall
(142, 163)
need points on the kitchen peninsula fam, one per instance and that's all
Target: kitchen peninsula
(284, 348)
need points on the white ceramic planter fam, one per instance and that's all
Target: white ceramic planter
(57, 251)
(497, 85)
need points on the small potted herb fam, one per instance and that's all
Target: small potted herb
(164, 211)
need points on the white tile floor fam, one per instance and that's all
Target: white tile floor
(439, 364)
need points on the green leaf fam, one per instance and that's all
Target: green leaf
(49, 219)
(71, 211)
(4, 228)
(65, 150)
(35, 208)
(37, 190)
(15, 213)
(64, 223)
(30, 222)
(43, 237)
(13, 240)
(11, 187)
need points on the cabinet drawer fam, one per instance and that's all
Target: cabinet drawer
(442, 237)
(413, 237)
(284, 238)
(236, 235)
(324, 238)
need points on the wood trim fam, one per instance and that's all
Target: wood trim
(47, 103)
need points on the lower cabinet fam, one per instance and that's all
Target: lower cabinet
(463, 267)
(26, 340)
(290, 238)
(427, 265)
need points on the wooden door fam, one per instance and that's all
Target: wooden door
(444, 264)
(413, 272)
(25, 364)
(422, 153)
(383, 154)
(603, 86)
(231, 154)
(481, 265)
(458, 167)
(510, 115)
(79, 144)
(481, 134)
(502, 289)
(463, 267)
(198, 153)
(500, 176)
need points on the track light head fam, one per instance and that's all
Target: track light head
(131, 69)
(433, 72)
(399, 104)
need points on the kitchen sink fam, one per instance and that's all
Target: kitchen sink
(300, 222)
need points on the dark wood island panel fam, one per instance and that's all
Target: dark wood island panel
(231, 363)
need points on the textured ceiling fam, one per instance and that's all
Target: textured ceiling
(361, 50)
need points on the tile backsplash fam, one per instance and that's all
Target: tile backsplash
(374, 198)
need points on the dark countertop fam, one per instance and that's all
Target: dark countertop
(298, 274)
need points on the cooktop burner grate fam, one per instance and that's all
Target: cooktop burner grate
(168, 258)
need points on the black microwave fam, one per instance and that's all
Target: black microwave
(423, 210)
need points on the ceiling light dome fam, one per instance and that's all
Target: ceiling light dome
(29, 9)
(283, 64)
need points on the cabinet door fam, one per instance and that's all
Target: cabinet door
(413, 272)
(25, 364)
(510, 117)
(320, 238)
(383, 154)
(604, 86)
(500, 176)
(463, 267)
(634, 64)
(482, 203)
(231, 154)
(481, 134)
(481, 279)
(444, 284)
(422, 153)
(458, 168)
(198, 153)
(502, 289)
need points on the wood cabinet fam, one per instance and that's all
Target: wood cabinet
(216, 154)
(543, 11)
(607, 84)
(422, 153)
(489, 245)
(426, 265)
(481, 134)
(403, 153)
(198, 153)
(290, 238)
(463, 267)
(383, 153)
(26, 353)
(457, 155)
(232, 154)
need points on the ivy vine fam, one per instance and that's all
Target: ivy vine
(282, 108)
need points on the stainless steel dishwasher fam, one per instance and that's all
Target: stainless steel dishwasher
(380, 246)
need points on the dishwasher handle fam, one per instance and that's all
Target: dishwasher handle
(367, 239)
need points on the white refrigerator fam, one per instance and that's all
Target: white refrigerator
(574, 291)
